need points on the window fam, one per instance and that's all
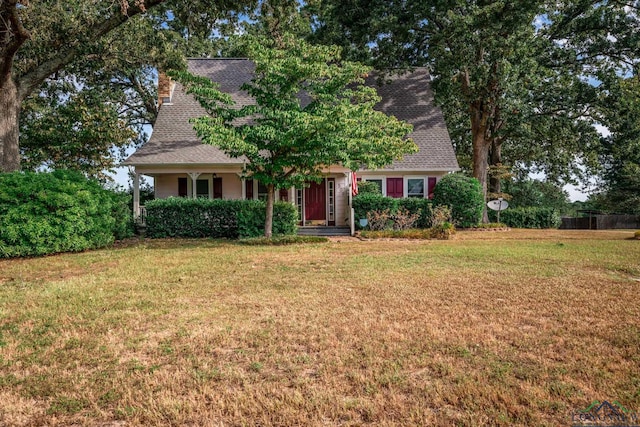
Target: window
(202, 188)
(415, 187)
(331, 185)
(262, 191)
(182, 187)
(248, 188)
(299, 195)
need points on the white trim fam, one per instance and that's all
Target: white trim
(425, 184)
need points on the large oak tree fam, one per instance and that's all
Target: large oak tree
(55, 39)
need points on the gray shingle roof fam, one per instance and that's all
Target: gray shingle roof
(407, 96)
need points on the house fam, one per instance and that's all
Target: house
(182, 166)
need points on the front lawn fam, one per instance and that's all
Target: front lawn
(505, 328)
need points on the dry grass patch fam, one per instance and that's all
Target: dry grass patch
(512, 328)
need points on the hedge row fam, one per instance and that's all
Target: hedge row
(531, 217)
(193, 218)
(62, 211)
(370, 202)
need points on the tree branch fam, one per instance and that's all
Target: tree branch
(30, 81)
(12, 25)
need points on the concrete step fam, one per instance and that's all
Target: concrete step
(323, 231)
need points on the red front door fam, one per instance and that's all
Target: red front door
(394, 188)
(315, 202)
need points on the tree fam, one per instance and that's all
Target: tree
(77, 134)
(620, 153)
(503, 82)
(534, 193)
(311, 110)
(39, 40)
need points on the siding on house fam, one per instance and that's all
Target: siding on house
(167, 185)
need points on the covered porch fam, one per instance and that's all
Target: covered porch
(320, 204)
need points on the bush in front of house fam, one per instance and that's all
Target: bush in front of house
(463, 195)
(531, 217)
(251, 217)
(372, 203)
(61, 211)
(192, 218)
(367, 203)
(195, 218)
(417, 206)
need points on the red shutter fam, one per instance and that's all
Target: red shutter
(431, 185)
(394, 188)
(248, 186)
(217, 188)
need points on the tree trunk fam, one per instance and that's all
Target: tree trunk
(268, 221)
(495, 159)
(9, 130)
(480, 154)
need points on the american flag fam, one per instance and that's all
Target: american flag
(354, 184)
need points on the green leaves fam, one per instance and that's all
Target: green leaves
(44, 213)
(311, 111)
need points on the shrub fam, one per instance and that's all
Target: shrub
(376, 202)
(403, 220)
(183, 217)
(443, 231)
(379, 220)
(369, 202)
(464, 197)
(416, 205)
(252, 213)
(531, 218)
(61, 211)
(440, 215)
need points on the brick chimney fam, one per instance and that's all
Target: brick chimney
(165, 88)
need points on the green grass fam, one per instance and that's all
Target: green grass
(508, 328)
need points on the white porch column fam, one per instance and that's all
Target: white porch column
(194, 177)
(243, 182)
(136, 195)
(350, 210)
